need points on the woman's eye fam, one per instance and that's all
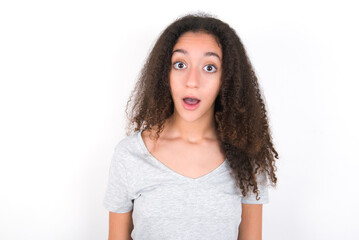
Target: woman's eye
(179, 65)
(210, 68)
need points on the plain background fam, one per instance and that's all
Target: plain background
(67, 69)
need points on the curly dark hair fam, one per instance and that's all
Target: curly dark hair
(239, 113)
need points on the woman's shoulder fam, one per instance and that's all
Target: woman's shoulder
(128, 143)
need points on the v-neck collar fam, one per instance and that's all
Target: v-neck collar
(176, 174)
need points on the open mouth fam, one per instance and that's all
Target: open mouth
(191, 103)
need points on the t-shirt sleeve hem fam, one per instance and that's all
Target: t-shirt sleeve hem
(116, 209)
(260, 201)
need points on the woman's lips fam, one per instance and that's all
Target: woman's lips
(190, 106)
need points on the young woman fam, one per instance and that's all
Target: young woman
(198, 162)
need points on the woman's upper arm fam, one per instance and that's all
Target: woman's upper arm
(250, 227)
(120, 226)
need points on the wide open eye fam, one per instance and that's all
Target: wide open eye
(210, 68)
(179, 65)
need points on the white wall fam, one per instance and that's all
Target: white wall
(67, 69)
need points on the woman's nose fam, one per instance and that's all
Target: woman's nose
(193, 77)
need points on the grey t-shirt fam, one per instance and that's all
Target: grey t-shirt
(167, 205)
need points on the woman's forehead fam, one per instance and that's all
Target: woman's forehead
(198, 42)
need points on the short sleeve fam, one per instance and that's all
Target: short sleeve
(263, 192)
(117, 198)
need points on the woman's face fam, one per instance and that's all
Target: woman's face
(196, 71)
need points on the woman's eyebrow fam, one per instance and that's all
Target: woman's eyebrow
(206, 54)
